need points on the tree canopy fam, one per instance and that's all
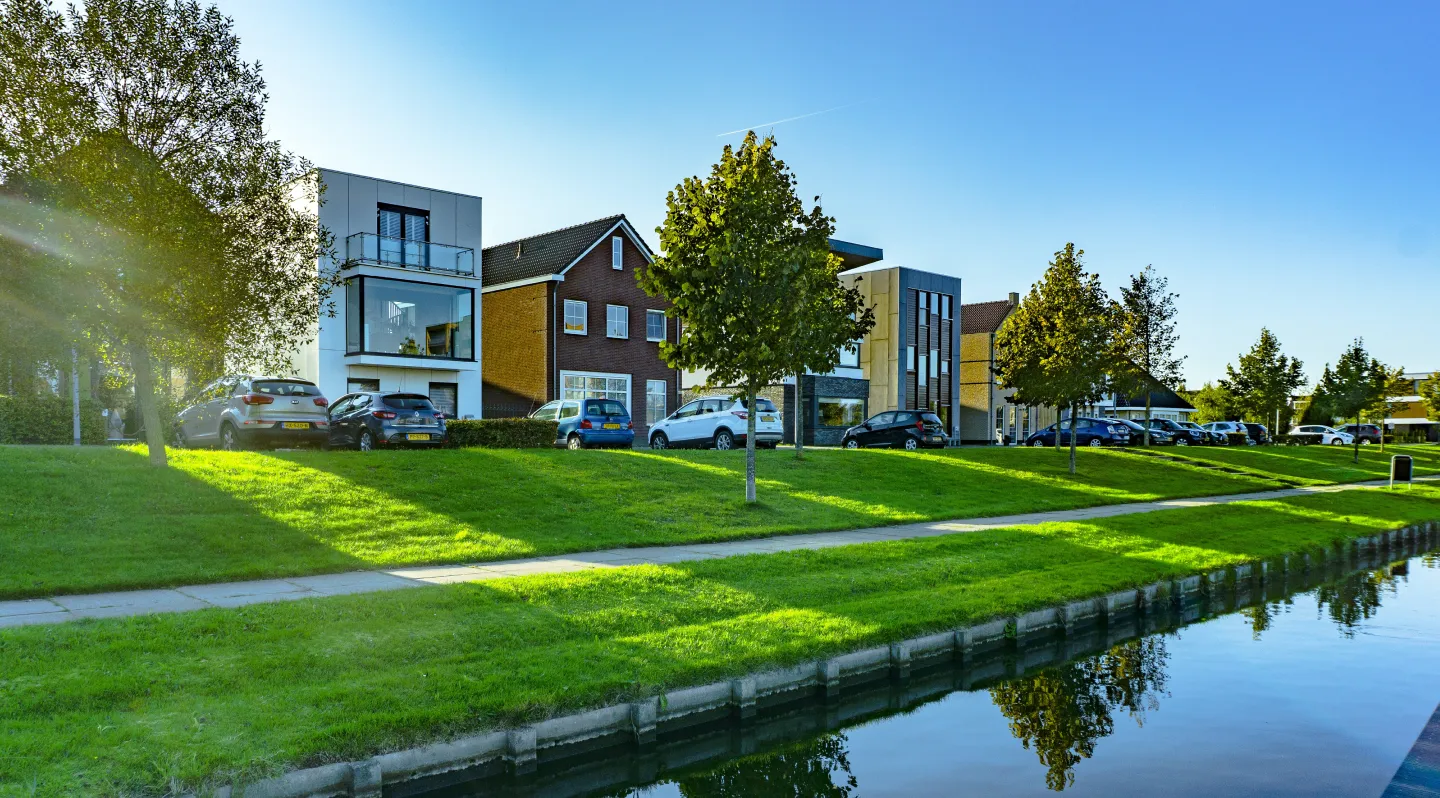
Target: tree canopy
(1145, 338)
(1430, 395)
(1356, 385)
(1265, 381)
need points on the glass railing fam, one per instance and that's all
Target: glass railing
(402, 253)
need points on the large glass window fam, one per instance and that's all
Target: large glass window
(654, 401)
(840, 412)
(396, 317)
(576, 386)
(403, 233)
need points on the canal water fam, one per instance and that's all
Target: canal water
(1317, 684)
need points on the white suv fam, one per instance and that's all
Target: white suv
(1326, 435)
(717, 421)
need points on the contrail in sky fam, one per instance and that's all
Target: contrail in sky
(782, 121)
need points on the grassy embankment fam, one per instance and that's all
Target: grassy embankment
(148, 704)
(88, 520)
(1310, 465)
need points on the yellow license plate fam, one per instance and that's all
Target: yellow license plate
(612, 426)
(767, 418)
(295, 424)
(422, 436)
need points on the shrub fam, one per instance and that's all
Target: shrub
(47, 420)
(501, 433)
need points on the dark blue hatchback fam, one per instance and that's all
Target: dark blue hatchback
(583, 423)
(1088, 432)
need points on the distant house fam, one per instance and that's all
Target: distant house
(988, 413)
(1409, 419)
(565, 319)
(1164, 403)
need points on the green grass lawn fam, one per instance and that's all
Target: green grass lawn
(143, 705)
(1313, 465)
(86, 520)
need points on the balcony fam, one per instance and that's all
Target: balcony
(401, 253)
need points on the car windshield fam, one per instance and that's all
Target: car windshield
(931, 418)
(765, 405)
(408, 401)
(285, 388)
(606, 407)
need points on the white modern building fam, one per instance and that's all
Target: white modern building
(407, 313)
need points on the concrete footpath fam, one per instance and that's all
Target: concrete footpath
(59, 609)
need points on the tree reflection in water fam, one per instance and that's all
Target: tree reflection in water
(804, 770)
(1062, 712)
(1355, 597)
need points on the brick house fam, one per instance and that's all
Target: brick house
(564, 318)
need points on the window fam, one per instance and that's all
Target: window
(285, 388)
(577, 385)
(923, 371)
(850, 355)
(712, 406)
(609, 408)
(342, 406)
(403, 233)
(945, 307)
(840, 412)
(765, 405)
(934, 363)
(400, 317)
(904, 418)
(688, 410)
(910, 358)
(547, 412)
(654, 325)
(576, 313)
(924, 312)
(617, 253)
(446, 398)
(944, 367)
(654, 401)
(617, 321)
(360, 386)
(569, 410)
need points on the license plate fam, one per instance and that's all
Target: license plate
(295, 424)
(935, 438)
(768, 419)
(418, 436)
(612, 426)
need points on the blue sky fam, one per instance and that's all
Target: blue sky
(1276, 161)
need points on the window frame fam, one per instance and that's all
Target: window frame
(361, 280)
(663, 393)
(584, 317)
(844, 401)
(617, 253)
(610, 322)
(664, 325)
(629, 386)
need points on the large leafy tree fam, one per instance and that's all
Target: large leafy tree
(1056, 348)
(152, 96)
(1265, 381)
(1146, 337)
(1430, 395)
(1212, 403)
(750, 275)
(1390, 385)
(1355, 385)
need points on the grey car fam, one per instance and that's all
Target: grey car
(245, 411)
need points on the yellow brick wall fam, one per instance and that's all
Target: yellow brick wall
(513, 343)
(977, 386)
(879, 354)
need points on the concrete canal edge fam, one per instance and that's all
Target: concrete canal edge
(744, 697)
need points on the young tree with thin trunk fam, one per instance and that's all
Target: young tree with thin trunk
(1056, 348)
(745, 268)
(829, 317)
(1355, 385)
(1146, 337)
(152, 97)
(1390, 383)
(1265, 381)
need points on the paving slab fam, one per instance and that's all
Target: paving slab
(238, 594)
(131, 602)
(353, 582)
(28, 607)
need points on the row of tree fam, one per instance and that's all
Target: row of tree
(1068, 344)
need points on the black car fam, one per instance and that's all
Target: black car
(1365, 433)
(371, 420)
(1158, 437)
(900, 429)
(1088, 432)
(1180, 435)
(1258, 432)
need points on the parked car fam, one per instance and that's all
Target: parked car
(1258, 433)
(1211, 438)
(371, 419)
(718, 422)
(1159, 437)
(897, 429)
(1321, 434)
(583, 423)
(1367, 433)
(1235, 431)
(1179, 433)
(243, 411)
(1088, 432)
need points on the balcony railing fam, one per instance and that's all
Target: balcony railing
(402, 253)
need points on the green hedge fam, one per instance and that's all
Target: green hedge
(47, 419)
(501, 433)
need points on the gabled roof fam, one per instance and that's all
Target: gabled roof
(552, 253)
(984, 317)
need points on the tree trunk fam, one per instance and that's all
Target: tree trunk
(1059, 425)
(1148, 399)
(799, 420)
(1072, 439)
(750, 446)
(145, 397)
(75, 395)
(1357, 439)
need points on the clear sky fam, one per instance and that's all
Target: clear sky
(1278, 162)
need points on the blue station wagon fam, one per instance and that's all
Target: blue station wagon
(584, 423)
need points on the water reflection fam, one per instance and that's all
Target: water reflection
(1061, 713)
(1354, 598)
(806, 770)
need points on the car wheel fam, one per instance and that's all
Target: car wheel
(659, 441)
(911, 444)
(1037, 443)
(229, 438)
(1182, 442)
(851, 443)
(574, 444)
(366, 442)
(1096, 442)
(1364, 441)
(1337, 442)
(724, 440)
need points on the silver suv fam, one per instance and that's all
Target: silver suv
(242, 411)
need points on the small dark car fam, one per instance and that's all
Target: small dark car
(1258, 432)
(1088, 432)
(1180, 435)
(900, 429)
(1158, 437)
(1365, 433)
(371, 420)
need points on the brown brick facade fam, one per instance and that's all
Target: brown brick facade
(515, 355)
